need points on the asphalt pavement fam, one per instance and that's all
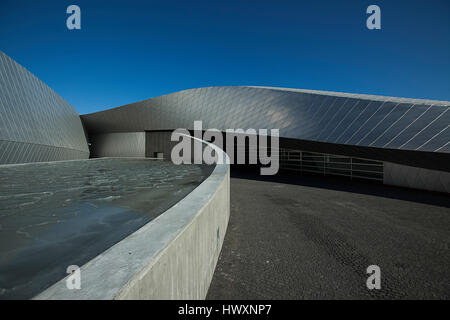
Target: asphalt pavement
(300, 237)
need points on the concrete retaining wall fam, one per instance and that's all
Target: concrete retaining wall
(172, 257)
(417, 178)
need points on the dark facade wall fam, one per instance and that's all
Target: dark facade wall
(36, 124)
(119, 144)
(157, 141)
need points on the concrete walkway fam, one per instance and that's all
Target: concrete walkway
(314, 237)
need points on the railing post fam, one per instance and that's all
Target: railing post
(351, 168)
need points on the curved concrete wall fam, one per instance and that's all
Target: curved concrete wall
(416, 178)
(36, 124)
(172, 257)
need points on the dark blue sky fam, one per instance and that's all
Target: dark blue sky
(130, 50)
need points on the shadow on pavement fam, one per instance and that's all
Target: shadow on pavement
(346, 185)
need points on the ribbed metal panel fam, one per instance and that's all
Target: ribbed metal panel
(36, 124)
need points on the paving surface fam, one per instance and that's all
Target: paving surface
(53, 215)
(314, 237)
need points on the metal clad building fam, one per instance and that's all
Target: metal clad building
(409, 137)
(36, 124)
(399, 141)
(347, 120)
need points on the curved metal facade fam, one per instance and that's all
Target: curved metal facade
(36, 124)
(350, 120)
